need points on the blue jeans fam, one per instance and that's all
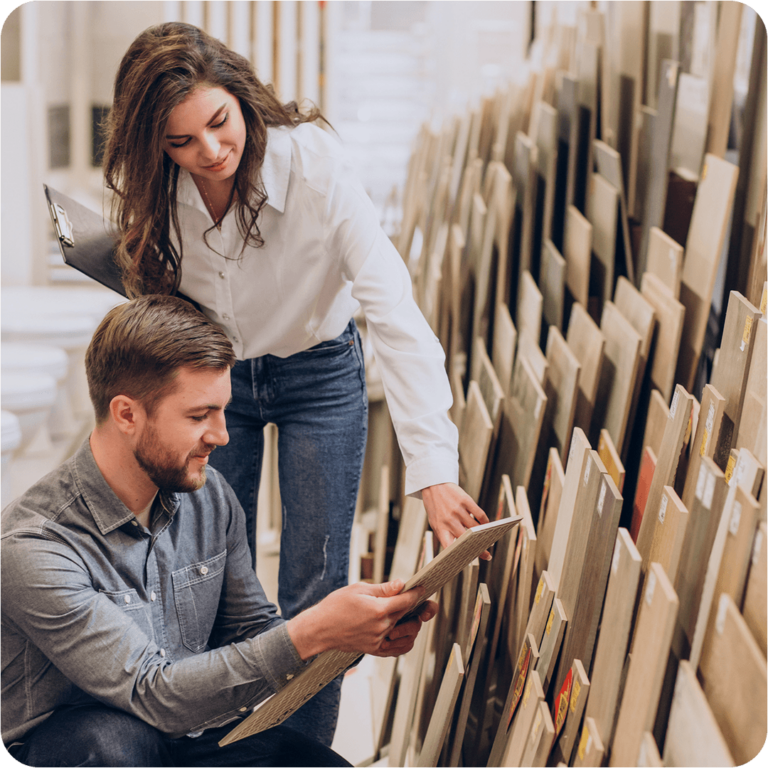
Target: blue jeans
(317, 399)
(101, 736)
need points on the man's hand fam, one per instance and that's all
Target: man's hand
(451, 511)
(361, 618)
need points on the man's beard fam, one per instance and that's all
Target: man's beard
(163, 470)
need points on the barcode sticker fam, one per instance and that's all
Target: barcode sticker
(601, 501)
(616, 556)
(709, 491)
(673, 407)
(757, 546)
(721, 611)
(586, 472)
(651, 587)
(663, 509)
(701, 481)
(735, 518)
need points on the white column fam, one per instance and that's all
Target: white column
(193, 12)
(172, 10)
(262, 41)
(333, 24)
(217, 20)
(287, 50)
(240, 27)
(310, 52)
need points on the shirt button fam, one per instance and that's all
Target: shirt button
(162, 652)
(237, 341)
(204, 570)
(134, 522)
(243, 709)
(225, 317)
(153, 597)
(289, 677)
(127, 598)
(222, 275)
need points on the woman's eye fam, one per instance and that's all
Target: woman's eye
(182, 144)
(224, 120)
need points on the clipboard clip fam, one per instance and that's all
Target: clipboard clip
(63, 225)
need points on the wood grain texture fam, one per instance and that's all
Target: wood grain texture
(563, 376)
(610, 457)
(552, 282)
(644, 480)
(550, 644)
(504, 346)
(603, 214)
(616, 626)
(669, 532)
(693, 735)
(474, 441)
(520, 590)
(550, 504)
(589, 753)
(529, 307)
(587, 341)
(577, 251)
(655, 623)
(734, 682)
(522, 723)
(752, 426)
(665, 260)
(655, 424)
(539, 739)
(756, 594)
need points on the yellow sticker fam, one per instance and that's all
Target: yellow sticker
(704, 439)
(704, 171)
(729, 468)
(575, 695)
(747, 333)
(539, 591)
(764, 299)
(550, 620)
(583, 742)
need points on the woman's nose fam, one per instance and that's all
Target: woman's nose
(210, 147)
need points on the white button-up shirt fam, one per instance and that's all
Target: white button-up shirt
(324, 256)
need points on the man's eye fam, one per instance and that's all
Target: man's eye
(200, 418)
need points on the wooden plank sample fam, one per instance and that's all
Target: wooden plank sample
(491, 389)
(603, 214)
(653, 638)
(459, 405)
(611, 649)
(474, 441)
(529, 307)
(705, 513)
(670, 316)
(529, 348)
(410, 533)
(473, 655)
(590, 751)
(729, 376)
(656, 422)
(524, 181)
(522, 682)
(602, 522)
(578, 456)
(552, 282)
(540, 738)
(693, 735)
(466, 606)
(703, 247)
(608, 163)
(550, 644)
(669, 532)
(666, 467)
(656, 189)
(546, 167)
(752, 426)
(688, 140)
(734, 681)
(755, 594)
(566, 109)
(618, 376)
(610, 457)
(665, 260)
(576, 708)
(648, 756)
(577, 250)
(522, 723)
(442, 714)
(550, 503)
(382, 527)
(540, 610)
(504, 345)
(520, 590)
(588, 344)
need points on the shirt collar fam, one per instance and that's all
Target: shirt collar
(275, 173)
(108, 511)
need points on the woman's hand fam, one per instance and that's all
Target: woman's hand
(451, 511)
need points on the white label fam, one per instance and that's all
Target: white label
(741, 468)
(537, 409)
(651, 587)
(663, 509)
(709, 491)
(711, 418)
(673, 407)
(616, 555)
(700, 482)
(735, 517)
(721, 610)
(642, 758)
(601, 501)
(586, 472)
(589, 743)
(756, 547)
(672, 255)
(571, 452)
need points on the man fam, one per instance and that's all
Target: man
(132, 620)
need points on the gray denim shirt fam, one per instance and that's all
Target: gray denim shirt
(169, 623)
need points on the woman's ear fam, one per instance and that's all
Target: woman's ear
(126, 413)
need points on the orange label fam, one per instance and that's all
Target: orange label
(561, 703)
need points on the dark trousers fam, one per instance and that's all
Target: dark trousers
(101, 736)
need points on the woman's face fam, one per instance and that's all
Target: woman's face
(206, 133)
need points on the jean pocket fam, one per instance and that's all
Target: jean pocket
(129, 602)
(196, 592)
(343, 341)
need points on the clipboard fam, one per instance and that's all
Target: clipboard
(86, 240)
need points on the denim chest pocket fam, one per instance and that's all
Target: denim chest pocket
(196, 592)
(130, 603)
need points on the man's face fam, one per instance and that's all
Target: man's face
(185, 426)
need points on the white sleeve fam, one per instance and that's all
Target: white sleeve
(411, 359)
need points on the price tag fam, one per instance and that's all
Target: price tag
(649, 590)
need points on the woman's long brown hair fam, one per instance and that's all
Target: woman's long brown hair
(163, 65)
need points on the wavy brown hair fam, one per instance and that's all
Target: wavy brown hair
(163, 65)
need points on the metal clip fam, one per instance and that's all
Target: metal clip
(63, 225)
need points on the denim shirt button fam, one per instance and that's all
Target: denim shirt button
(133, 522)
(127, 598)
(162, 652)
(204, 570)
(153, 597)
(243, 709)
(289, 677)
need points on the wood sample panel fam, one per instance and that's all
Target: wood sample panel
(711, 211)
(524, 180)
(610, 457)
(540, 738)
(587, 341)
(474, 441)
(734, 681)
(504, 346)
(616, 626)
(618, 376)
(603, 215)
(552, 282)
(756, 594)
(656, 422)
(665, 260)
(729, 376)
(653, 638)
(529, 307)
(577, 250)
(688, 140)
(670, 316)
(693, 735)
(752, 426)
(669, 532)
(644, 480)
(550, 644)
(546, 144)
(550, 504)
(528, 348)
(576, 707)
(589, 753)
(566, 109)
(522, 723)
(666, 467)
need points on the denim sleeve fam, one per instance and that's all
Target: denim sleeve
(48, 596)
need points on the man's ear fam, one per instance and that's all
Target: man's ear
(126, 413)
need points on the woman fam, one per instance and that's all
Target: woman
(251, 210)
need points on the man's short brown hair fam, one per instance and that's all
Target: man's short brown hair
(139, 348)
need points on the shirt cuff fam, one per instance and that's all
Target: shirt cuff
(438, 467)
(277, 656)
